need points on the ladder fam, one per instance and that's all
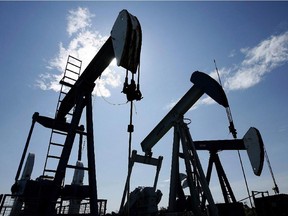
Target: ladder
(57, 137)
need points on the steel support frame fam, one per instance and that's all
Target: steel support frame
(81, 102)
(195, 175)
(224, 183)
(157, 162)
(91, 157)
(26, 146)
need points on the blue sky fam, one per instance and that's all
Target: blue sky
(249, 41)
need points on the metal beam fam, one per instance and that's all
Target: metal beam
(219, 145)
(203, 83)
(85, 82)
(91, 157)
(167, 122)
(54, 124)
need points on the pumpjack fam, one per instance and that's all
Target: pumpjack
(194, 178)
(45, 195)
(50, 195)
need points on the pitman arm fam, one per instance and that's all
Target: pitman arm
(203, 83)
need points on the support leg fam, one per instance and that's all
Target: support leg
(174, 172)
(225, 186)
(191, 158)
(91, 157)
(208, 176)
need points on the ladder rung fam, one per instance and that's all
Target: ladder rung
(181, 155)
(78, 66)
(74, 58)
(59, 132)
(56, 144)
(81, 132)
(75, 167)
(65, 83)
(49, 170)
(69, 78)
(62, 92)
(53, 156)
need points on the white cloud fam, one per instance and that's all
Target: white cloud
(78, 20)
(207, 101)
(49, 82)
(258, 61)
(83, 45)
(224, 73)
(171, 104)
(204, 101)
(232, 53)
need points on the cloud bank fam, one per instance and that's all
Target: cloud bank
(78, 20)
(258, 61)
(84, 44)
